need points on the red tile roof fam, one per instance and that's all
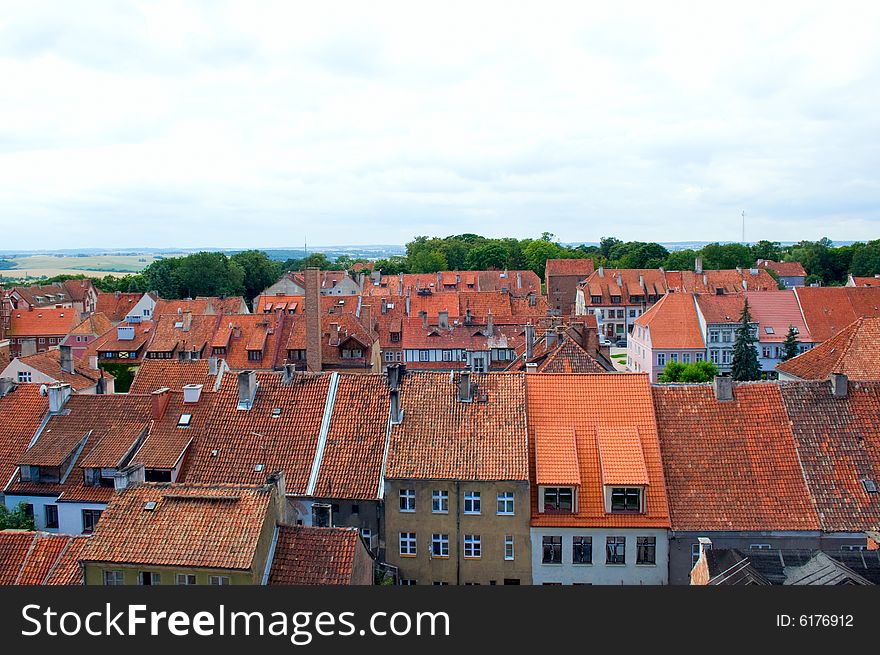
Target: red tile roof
(173, 374)
(49, 363)
(672, 322)
(854, 351)
(838, 441)
(827, 310)
(116, 306)
(783, 269)
(579, 267)
(93, 325)
(43, 322)
(866, 281)
(556, 462)
(731, 465)
(209, 526)
(621, 457)
(442, 437)
(314, 556)
(39, 558)
(185, 333)
(625, 282)
(201, 305)
(777, 310)
(168, 441)
(561, 403)
(731, 280)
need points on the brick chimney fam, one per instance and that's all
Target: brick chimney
(530, 341)
(334, 334)
(444, 319)
(159, 399)
(490, 327)
(313, 319)
(839, 385)
(66, 359)
(723, 387)
(367, 317)
(424, 316)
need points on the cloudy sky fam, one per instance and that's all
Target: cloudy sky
(234, 124)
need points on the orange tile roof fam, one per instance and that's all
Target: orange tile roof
(116, 306)
(672, 322)
(171, 373)
(838, 442)
(731, 465)
(39, 558)
(731, 280)
(579, 267)
(777, 310)
(167, 442)
(209, 526)
(21, 413)
(441, 437)
(854, 351)
(625, 282)
(570, 357)
(49, 363)
(43, 322)
(827, 310)
(244, 438)
(559, 403)
(109, 342)
(784, 269)
(314, 556)
(556, 461)
(201, 306)
(720, 309)
(93, 325)
(186, 333)
(620, 455)
(866, 281)
(249, 331)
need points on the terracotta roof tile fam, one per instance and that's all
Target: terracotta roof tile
(21, 413)
(620, 455)
(211, 526)
(314, 556)
(827, 310)
(866, 281)
(558, 403)
(854, 351)
(49, 363)
(731, 465)
(35, 558)
(838, 441)
(441, 437)
(672, 322)
(172, 374)
(580, 267)
(93, 325)
(556, 461)
(116, 306)
(784, 269)
(168, 440)
(43, 322)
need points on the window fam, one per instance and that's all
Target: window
(184, 421)
(113, 578)
(255, 355)
(472, 546)
(685, 358)
(582, 550)
(558, 499)
(42, 339)
(90, 519)
(472, 502)
(24, 376)
(389, 356)
(440, 502)
(404, 582)
(148, 578)
(626, 499)
(424, 355)
(869, 485)
(661, 359)
(760, 547)
(355, 509)
(699, 357)
(508, 547)
(765, 352)
(51, 516)
(505, 503)
(632, 313)
(186, 578)
(353, 353)
(713, 336)
(552, 550)
(408, 544)
(725, 357)
(407, 500)
(218, 579)
(713, 355)
(726, 336)
(440, 545)
(646, 550)
(615, 550)
(447, 355)
(695, 554)
(395, 337)
(673, 357)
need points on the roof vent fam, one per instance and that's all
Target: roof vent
(214, 453)
(150, 506)
(276, 412)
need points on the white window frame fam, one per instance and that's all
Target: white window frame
(506, 503)
(439, 545)
(509, 549)
(408, 544)
(185, 579)
(114, 578)
(407, 501)
(472, 503)
(473, 546)
(218, 580)
(439, 501)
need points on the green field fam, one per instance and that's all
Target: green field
(36, 266)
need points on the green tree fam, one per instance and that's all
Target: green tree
(699, 372)
(160, 277)
(492, 255)
(726, 256)
(866, 260)
(790, 345)
(764, 249)
(259, 271)
(745, 356)
(538, 252)
(316, 260)
(680, 260)
(672, 372)
(208, 274)
(392, 266)
(427, 261)
(607, 245)
(17, 519)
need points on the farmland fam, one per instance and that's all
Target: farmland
(36, 266)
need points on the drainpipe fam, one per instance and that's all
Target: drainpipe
(459, 546)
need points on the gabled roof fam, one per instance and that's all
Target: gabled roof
(93, 325)
(314, 556)
(827, 310)
(201, 305)
(625, 282)
(49, 363)
(783, 269)
(208, 526)
(556, 461)
(731, 465)
(621, 457)
(168, 439)
(672, 322)
(579, 267)
(558, 404)
(854, 351)
(838, 440)
(42, 322)
(110, 341)
(171, 373)
(442, 437)
(183, 333)
(116, 306)
(730, 566)
(21, 413)
(40, 558)
(866, 281)
(731, 280)
(777, 310)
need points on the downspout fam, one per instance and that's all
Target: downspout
(271, 557)
(459, 546)
(322, 436)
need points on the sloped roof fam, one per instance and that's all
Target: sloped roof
(442, 437)
(93, 325)
(49, 363)
(559, 403)
(116, 306)
(314, 556)
(854, 351)
(777, 310)
(672, 322)
(731, 465)
(784, 269)
(209, 526)
(172, 374)
(42, 322)
(579, 267)
(168, 440)
(21, 413)
(827, 310)
(40, 558)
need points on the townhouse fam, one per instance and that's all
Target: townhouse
(59, 365)
(515, 282)
(131, 307)
(86, 332)
(319, 556)
(35, 330)
(22, 409)
(867, 281)
(79, 295)
(293, 283)
(561, 279)
(598, 494)
(561, 348)
(456, 481)
(670, 331)
(789, 274)
(827, 310)
(852, 352)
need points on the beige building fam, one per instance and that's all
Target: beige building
(456, 483)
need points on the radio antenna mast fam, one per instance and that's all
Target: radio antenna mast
(744, 227)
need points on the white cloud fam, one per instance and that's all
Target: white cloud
(262, 123)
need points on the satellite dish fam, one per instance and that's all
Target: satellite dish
(44, 390)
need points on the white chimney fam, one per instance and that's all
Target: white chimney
(464, 387)
(839, 385)
(58, 395)
(66, 359)
(444, 319)
(192, 393)
(247, 389)
(723, 387)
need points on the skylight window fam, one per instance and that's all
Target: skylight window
(150, 506)
(178, 324)
(258, 468)
(184, 420)
(276, 412)
(870, 486)
(769, 330)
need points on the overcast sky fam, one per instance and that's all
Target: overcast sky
(260, 124)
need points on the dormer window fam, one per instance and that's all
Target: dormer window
(558, 499)
(255, 355)
(626, 499)
(596, 300)
(352, 353)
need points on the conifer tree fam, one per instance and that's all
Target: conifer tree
(745, 356)
(790, 345)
